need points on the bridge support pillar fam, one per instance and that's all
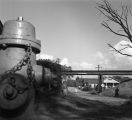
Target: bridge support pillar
(99, 83)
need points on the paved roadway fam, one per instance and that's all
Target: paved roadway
(79, 106)
(82, 106)
(108, 100)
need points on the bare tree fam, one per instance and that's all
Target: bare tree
(120, 19)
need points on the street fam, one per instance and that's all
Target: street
(79, 106)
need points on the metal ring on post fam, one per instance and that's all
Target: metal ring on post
(19, 33)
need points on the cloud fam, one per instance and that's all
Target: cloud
(82, 66)
(99, 59)
(64, 61)
(85, 65)
(113, 60)
(107, 61)
(103, 60)
(123, 61)
(120, 45)
(99, 55)
(44, 56)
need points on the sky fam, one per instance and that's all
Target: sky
(70, 30)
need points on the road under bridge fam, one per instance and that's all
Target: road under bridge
(100, 73)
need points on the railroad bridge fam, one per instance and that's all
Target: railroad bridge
(100, 73)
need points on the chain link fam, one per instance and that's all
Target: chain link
(30, 72)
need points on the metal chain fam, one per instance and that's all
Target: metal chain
(30, 72)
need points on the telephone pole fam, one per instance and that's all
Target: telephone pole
(100, 79)
(98, 67)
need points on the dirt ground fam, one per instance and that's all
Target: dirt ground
(81, 106)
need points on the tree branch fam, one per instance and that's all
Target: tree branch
(114, 16)
(119, 19)
(119, 51)
(108, 27)
(127, 45)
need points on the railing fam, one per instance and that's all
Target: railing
(96, 72)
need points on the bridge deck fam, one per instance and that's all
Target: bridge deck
(96, 72)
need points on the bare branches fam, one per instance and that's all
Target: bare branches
(120, 51)
(111, 30)
(120, 19)
(130, 11)
(126, 45)
(114, 16)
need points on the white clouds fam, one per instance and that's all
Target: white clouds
(77, 65)
(99, 55)
(64, 61)
(122, 44)
(44, 56)
(115, 60)
(123, 60)
(102, 60)
(85, 65)
(106, 61)
(82, 66)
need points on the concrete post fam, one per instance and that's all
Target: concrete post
(99, 83)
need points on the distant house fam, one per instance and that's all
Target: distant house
(110, 82)
(92, 82)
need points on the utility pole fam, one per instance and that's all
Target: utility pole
(100, 79)
(98, 67)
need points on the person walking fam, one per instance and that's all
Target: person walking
(117, 92)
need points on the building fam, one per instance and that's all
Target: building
(110, 82)
(91, 82)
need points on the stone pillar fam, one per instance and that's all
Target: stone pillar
(99, 83)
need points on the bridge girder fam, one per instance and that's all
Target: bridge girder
(96, 72)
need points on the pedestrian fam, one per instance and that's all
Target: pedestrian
(116, 92)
